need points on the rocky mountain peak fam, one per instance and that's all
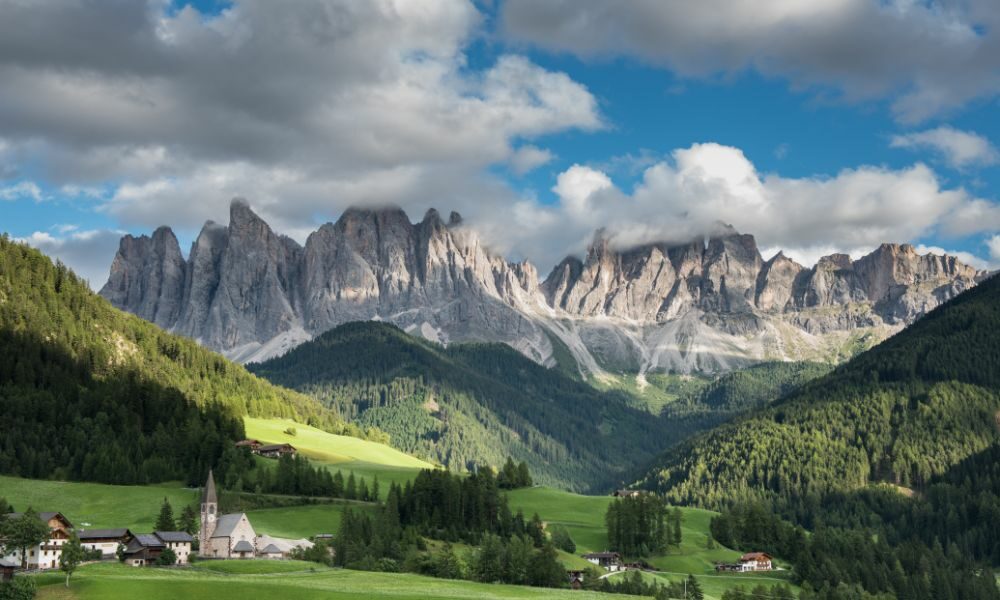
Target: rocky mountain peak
(711, 303)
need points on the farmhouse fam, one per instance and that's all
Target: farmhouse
(45, 555)
(276, 450)
(612, 561)
(105, 540)
(143, 549)
(253, 445)
(627, 493)
(756, 561)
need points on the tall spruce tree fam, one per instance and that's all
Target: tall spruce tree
(165, 521)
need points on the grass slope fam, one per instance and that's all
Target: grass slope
(341, 453)
(470, 405)
(272, 579)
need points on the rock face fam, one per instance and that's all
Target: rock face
(712, 304)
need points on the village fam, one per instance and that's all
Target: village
(232, 536)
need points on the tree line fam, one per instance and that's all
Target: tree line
(642, 525)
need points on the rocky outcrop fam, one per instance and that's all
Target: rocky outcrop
(710, 304)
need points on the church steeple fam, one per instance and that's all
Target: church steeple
(208, 495)
(209, 508)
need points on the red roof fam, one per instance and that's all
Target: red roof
(755, 556)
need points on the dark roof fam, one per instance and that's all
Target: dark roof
(242, 546)
(97, 534)
(276, 447)
(270, 549)
(42, 516)
(602, 555)
(174, 536)
(148, 540)
(208, 495)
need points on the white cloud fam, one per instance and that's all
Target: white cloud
(994, 245)
(928, 57)
(310, 105)
(959, 148)
(22, 189)
(684, 197)
(89, 253)
(528, 158)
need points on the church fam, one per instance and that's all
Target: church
(233, 536)
(223, 536)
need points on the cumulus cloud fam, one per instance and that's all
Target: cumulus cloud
(684, 197)
(87, 252)
(928, 57)
(959, 149)
(309, 106)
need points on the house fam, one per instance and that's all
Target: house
(575, 579)
(627, 493)
(223, 536)
(276, 450)
(272, 552)
(178, 541)
(756, 561)
(105, 540)
(143, 549)
(45, 555)
(612, 561)
(253, 445)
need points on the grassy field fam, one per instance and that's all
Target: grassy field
(583, 516)
(338, 452)
(655, 390)
(95, 505)
(273, 579)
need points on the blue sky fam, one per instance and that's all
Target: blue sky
(538, 121)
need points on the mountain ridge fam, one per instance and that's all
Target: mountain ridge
(713, 304)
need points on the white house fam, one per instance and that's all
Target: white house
(178, 541)
(105, 540)
(47, 554)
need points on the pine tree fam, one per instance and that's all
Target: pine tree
(188, 521)
(165, 522)
(694, 589)
(351, 490)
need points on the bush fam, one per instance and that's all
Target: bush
(19, 588)
(167, 558)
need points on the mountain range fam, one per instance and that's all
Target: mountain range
(712, 304)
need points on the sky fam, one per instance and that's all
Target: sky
(819, 127)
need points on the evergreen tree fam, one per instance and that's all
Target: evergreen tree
(546, 570)
(694, 591)
(351, 490)
(167, 558)
(189, 521)
(165, 521)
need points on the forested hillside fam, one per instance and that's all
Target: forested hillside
(902, 412)
(89, 392)
(890, 461)
(473, 404)
(742, 391)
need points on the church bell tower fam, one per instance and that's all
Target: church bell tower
(209, 510)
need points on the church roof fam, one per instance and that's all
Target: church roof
(208, 496)
(226, 525)
(242, 546)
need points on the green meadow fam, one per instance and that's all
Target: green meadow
(340, 453)
(274, 579)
